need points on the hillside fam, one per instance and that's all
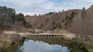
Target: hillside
(46, 21)
(79, 21)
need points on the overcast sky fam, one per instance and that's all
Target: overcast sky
(43, 6)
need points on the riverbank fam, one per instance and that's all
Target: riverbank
(7, 38)
(86, 42)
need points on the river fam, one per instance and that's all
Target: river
(46, 44)
(40, 46)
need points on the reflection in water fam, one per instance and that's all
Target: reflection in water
(50, 44)
(39, 46)
(73, 46)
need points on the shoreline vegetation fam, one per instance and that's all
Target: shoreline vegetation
(14, 27)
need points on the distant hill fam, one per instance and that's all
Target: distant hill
(78, 21)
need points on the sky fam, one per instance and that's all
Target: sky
(31, 7)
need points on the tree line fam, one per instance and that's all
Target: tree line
(9, 17)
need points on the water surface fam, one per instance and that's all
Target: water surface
(40, 46)
(46, 44)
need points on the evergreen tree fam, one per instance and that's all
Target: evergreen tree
(54, 25)
(59, 25)
(7, 16)
(20, 17)
(83, 13)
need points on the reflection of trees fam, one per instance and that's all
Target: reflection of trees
(72, 45)
(21, 44)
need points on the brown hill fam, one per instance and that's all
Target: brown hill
(78, 21)
(46, 20)
(83, 22)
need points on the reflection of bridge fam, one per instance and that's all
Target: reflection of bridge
(49, 35)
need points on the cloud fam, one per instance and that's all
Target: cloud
(44, 6)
